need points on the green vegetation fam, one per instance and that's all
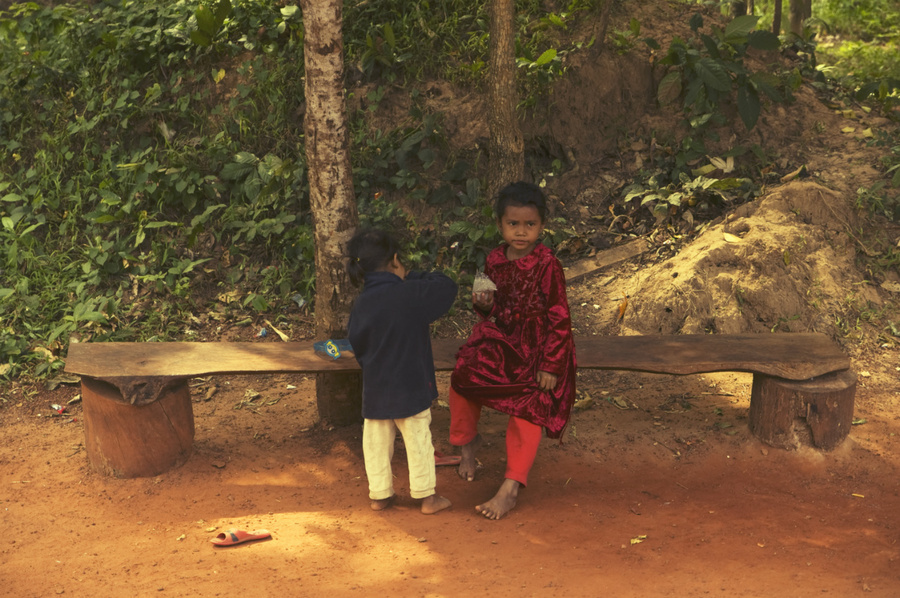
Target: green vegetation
(152, 171)
(151, 158)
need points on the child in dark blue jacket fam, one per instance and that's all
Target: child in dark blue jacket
(391, 338)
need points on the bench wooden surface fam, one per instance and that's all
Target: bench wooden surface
(793, 356)
(138, 417)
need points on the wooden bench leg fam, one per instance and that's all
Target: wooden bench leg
(825, 403)
(129, 441)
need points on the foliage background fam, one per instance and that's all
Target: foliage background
(151, 153)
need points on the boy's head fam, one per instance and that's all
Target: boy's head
(370, 250)
(521, 194)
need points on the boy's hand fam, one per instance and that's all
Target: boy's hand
(546, 381)
(484, 300)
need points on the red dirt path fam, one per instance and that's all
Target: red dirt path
(669, 497)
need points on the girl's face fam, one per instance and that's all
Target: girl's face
(521, 227)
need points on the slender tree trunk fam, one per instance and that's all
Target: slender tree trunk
(604, 24)
(507, 149)
(738, 8)
(800, 11)
(776, 18)
(332, 199)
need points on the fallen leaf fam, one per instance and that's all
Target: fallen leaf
(638, 539)
(848, 130)
(584, 403)
(794, 174)
(732, 238)
(282, 335)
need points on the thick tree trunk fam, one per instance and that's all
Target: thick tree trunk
(331, 195)
(507, 149)
(800, 11)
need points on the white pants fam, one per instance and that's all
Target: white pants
(378, 450)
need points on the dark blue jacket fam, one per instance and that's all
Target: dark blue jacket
(390, 332)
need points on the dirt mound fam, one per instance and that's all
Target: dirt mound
(785, 263)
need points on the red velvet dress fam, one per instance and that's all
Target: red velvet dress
(528, 329)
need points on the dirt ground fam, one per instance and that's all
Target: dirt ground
(658, 490)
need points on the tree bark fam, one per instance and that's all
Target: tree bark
(800, 11)
(776, 18)
(507, 149)
(332, 199)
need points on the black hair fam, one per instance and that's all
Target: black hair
(521, 194)
(369, 250)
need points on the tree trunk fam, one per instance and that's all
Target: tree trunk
(776, 18)
(738, 8)
(507, 149)
(332, 199)
(800, 11)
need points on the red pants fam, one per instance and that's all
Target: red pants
(522, 436)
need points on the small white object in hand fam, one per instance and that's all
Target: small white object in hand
(483, 283)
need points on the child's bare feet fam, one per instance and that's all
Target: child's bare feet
(468, 463)
(382, 504)
(503, 502)
(434, 503)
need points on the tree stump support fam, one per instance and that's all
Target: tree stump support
(784, 413)
(128, 440)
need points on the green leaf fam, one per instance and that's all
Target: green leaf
(460, 226)
(764, 40)
(200, 38)
(713, 74)
(206, 20)
(546, 57)
(4, 293)
(748, 106)
(223, 11)
(669, 88)
(389, 35)
(696, 21)
(737, 31)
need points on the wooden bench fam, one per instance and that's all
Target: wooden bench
(139, 422)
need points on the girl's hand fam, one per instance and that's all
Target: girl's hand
(484, 300)
(546, 381)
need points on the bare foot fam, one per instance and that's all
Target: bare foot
(434, 503)
(503, 502)
(468, 464)
(382, 504)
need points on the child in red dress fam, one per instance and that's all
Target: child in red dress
(520, 359)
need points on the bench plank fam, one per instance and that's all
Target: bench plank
(794, 356)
